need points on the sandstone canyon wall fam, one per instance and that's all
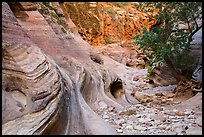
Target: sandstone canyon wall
(51, 85)
(106, 22)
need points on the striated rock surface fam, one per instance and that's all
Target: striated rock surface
(50, 83)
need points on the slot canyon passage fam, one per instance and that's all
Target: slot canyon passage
(71, 68)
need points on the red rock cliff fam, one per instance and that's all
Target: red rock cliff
(101, 22)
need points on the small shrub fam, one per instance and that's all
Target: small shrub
(110, 11)
(59, 21)
(43, 9)
(120, 4)
(56, 17)
(108, 41)
(149, 70)
(63, 29)
(48, 5)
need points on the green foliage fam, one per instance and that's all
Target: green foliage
(108, 41)
(48, 5)
(55, 16)
(43, 9)
(47, 9)
(59, 21)
(63, 29)
(120, 4)
(149, 70)
(110, 11)
(168, 40)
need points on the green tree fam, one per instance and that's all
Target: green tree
(168, 39)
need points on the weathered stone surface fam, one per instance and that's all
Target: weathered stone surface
(39, 94)
(199, 121)
(129, 127)
(170, 95)
(141, 95)
(158, 117)
(128, 112)
(194, 131)
(119, 121)
(119, 130)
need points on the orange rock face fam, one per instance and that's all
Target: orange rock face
(99, 22)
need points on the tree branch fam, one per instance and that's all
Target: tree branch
(189, 27)
(176, 74)
(194, 19)
(191, 34)
(196, 30)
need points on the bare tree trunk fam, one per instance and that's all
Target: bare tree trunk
(176, 74)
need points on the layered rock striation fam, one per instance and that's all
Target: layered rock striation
(51, 85)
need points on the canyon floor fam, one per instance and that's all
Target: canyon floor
(162, 115)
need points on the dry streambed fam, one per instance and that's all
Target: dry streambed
(155, 113)
(153, 119)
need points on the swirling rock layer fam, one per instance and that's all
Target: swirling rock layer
(50, 84)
